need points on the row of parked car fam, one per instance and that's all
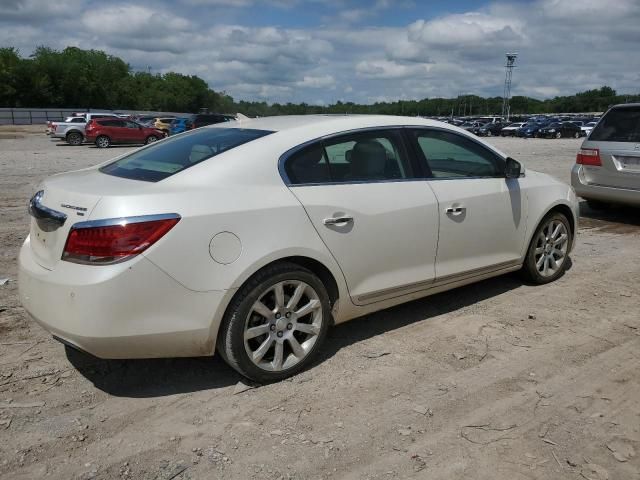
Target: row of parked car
(106, 129)
(534, 127)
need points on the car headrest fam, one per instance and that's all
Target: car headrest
(368, 160)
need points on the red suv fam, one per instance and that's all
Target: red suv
(107, 131)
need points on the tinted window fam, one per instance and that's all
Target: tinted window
(130, 124)
(371, 156)
(366, 157)
(175, 154)
(451, 156)
(309, 165)
(111, 123)
(619, 125)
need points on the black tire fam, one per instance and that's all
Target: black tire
(150, 139)
(75, 138)
(529, 270)
(103, 141)
(230, 342)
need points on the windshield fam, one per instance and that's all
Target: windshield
(173, 155)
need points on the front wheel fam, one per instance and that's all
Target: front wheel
(276, 323)
(103, 141)
(559, 135)
(489, 134)
(576, 135)
(548, 252)
(151, 139)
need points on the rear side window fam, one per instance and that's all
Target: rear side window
(175, 154)
(619, 125)
(361, 157)
(111, 123)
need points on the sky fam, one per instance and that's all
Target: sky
(322, 51)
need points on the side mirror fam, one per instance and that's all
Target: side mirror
(513, 168)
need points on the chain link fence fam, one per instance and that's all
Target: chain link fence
(35, 116)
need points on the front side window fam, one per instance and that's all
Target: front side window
(450, 155)
(360, 157)
(178, 153)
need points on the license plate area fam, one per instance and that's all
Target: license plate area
(626, 163)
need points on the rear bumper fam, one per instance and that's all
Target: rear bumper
(128, 310)
(600, 192)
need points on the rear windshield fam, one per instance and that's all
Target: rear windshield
(619, 125)
(173, 155)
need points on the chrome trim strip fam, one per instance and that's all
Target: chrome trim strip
(438, 282)
(107, 222)
(52, 218)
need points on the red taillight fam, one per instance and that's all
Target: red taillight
(90, 126)
(114, 243)
(589, 156)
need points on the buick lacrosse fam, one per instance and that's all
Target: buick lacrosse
(252, 238)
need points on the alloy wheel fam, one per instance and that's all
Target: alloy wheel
(283, 325)
(103, 142)
(551, 248)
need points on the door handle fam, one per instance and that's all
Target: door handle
(338, 220)
(455, 210)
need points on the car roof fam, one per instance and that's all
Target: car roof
(328, 122)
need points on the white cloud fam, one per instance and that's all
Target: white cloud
(565, 46)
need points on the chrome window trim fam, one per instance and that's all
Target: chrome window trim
(108, 222)
(292, 151)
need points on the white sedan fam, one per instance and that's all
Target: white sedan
(251, 238)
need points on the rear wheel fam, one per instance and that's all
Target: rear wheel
(151, 139)
(547, 256)
(74, 138)
(558, 135)
(276, 323)
(489, 134)
(576, 135)
(103, 141)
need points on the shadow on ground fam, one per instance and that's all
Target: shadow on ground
(154, 377)
(160, 377)
(612, 218)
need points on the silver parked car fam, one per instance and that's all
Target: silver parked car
(607, 168)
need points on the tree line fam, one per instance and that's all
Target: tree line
(77, 78)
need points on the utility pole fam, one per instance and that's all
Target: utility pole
(511, 60)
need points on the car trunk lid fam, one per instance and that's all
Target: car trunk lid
(620, 165)
(62, 201)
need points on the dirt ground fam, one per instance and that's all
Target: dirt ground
(495, 381)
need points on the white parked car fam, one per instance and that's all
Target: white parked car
(587, 128)
(251, 238)
(511, 129)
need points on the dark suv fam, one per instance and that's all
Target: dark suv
(607, 168)
(202, 119)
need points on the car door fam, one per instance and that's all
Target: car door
(379, 221)
(133, 132)
(482, 214)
